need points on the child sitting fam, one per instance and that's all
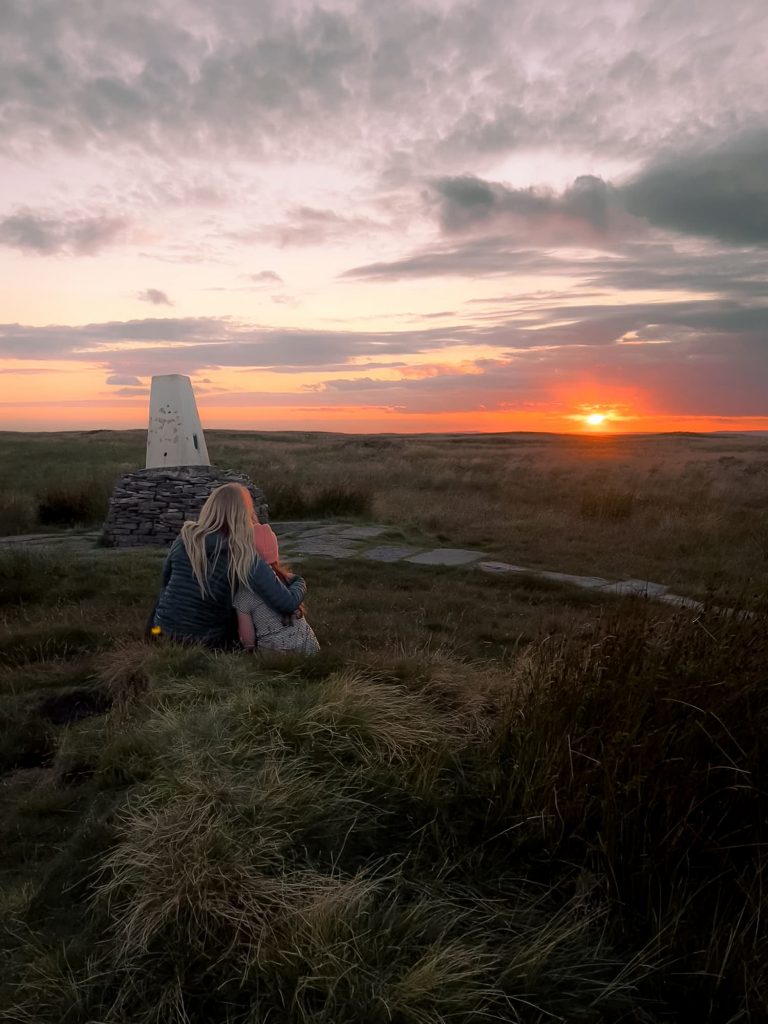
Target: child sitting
(260, 626)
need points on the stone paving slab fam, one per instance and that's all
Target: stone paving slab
(318, 537)
(446, 556)
(588, 582)
(684, 602)
(363, 532)
(501, 567)
(320, 532)
(297, 526)
(329, 547)
(47, 539)
(643, 588)
(388, 553)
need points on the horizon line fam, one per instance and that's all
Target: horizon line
(418, 433)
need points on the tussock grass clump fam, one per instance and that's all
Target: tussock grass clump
(26, 738)
(21, 681)
(608, 504)
(18, 513)
(44, 576)
(62, 507)
(341, 500)
(29, 644)
(642, 754)
(288, 855)
(78, 749)
(76, 501)
(288, 500)
(28, 574)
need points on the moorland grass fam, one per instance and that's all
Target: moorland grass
(488, 799)
(690, 511)
(61, 480)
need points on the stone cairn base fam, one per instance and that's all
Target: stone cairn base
(149, 506)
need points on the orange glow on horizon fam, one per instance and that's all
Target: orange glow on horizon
(132, 413)
(62, 396)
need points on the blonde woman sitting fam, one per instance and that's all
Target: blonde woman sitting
(260, 625)
(208, 563)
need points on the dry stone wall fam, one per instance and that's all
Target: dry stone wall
(149, 506)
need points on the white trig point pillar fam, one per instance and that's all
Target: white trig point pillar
(175, 436)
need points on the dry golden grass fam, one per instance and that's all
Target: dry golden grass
(690, 511)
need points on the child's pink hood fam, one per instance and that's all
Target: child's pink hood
(265, 542)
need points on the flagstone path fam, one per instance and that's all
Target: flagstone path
(328, 539)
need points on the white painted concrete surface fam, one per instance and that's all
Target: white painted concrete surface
(175, 435)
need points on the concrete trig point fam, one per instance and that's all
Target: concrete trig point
(149, 506)
(175, 434)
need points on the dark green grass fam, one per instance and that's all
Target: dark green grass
(49, 481)
(487, 798)
(291, 500)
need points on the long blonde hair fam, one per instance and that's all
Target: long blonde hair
(227, 511)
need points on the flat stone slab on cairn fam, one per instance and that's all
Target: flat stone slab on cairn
(148, 506)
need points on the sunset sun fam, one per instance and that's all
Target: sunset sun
(595, 419)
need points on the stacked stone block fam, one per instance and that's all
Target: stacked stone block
(148, 506)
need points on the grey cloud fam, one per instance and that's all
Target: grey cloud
(474, 258)
(186, 188)
(266, 277)
(339, 367)
(741, 274)
(83, 343)
(45, 235)
(191, 345)
(307, 225)
(139, 76)
(703, 315)
(124, 379)
(355, 384)
(315, 349)
(270, 79)
(154, 296)
(153, 329)
(588, 211)
(26, 370)
(195, 345)
(491, 218)
(719, 193)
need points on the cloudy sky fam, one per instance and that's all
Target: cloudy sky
(412, 215)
